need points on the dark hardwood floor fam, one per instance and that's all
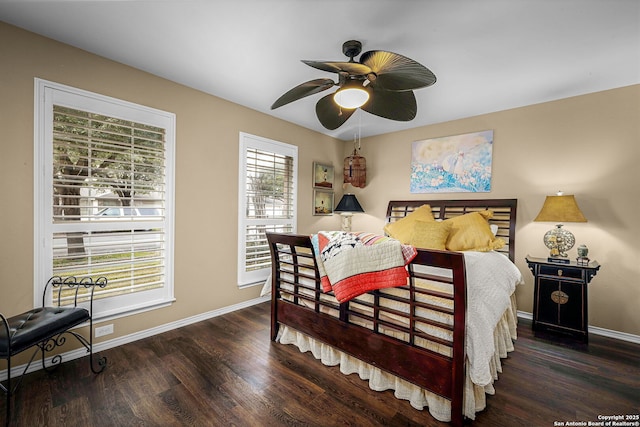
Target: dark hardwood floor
(226, 372)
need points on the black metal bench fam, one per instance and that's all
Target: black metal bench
(45, 327)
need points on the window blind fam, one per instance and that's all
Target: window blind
(267, 202)
(108, 200)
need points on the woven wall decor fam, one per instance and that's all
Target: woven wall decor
(355, 170)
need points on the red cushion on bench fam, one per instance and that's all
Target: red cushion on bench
(39, 324)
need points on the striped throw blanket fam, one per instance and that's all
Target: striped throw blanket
(351, 264)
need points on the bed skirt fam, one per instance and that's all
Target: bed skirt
(440, 408)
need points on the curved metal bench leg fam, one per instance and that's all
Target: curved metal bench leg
(102, 360)
(12, 386)
(102, 363)
(88, 344)
(7, 391)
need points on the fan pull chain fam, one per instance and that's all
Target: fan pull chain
(356, 145)
(359, 129)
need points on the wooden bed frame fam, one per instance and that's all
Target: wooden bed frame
(296, 279)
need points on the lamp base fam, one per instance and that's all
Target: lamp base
(559, 240)
(559, 260)
(346, 221)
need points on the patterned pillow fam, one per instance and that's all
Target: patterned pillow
(402, 229)
(471, 232)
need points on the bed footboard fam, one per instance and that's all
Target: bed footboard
(415, 332)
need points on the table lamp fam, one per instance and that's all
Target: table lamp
(347, 206)
(560, 208)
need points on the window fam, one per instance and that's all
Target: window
(104, 197)
(267, 202)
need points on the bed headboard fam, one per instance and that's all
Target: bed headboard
(504, 214)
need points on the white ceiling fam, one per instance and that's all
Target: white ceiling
(488, 55)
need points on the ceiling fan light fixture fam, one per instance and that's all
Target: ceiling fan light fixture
(380, 83)
(350, 97)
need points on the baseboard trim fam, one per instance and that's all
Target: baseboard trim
(623, 336)
(126, 339)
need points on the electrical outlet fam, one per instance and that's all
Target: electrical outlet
(104, 330)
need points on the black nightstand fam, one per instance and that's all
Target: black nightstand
(560, 296)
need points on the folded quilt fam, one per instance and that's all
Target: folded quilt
(351, 264)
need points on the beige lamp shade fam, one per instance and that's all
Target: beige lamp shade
(560, 209)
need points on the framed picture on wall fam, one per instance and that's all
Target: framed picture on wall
(452, 164)
(322, 176)
(322, 202)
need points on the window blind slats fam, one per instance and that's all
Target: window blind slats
(268, 182)
(108, 200)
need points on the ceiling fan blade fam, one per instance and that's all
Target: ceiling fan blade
(353, 68)
(330, 114)
(400, 106)
(397, 72)
(305, 89)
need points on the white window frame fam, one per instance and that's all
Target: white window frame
(248, 141)
(48, 94)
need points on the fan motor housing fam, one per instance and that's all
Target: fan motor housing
(352, 48)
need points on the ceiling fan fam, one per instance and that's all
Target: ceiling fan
(381, 83)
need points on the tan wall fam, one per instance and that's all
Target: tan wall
(588, 146)
(206, 172)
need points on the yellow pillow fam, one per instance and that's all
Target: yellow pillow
(430, 234)
(471, 232)
(402, 229)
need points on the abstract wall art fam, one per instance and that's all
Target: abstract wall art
(452, 164)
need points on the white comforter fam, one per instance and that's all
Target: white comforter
(491, 279)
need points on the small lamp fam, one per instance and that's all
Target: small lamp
(347, 206)
(351, 95)
(560, 208)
